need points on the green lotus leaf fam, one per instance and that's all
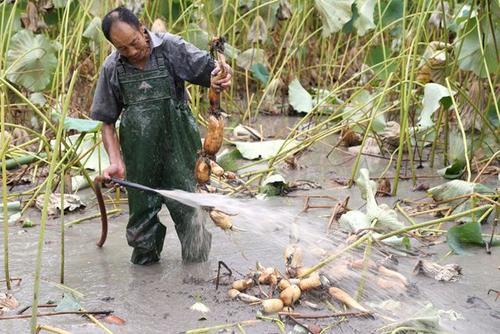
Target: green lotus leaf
(299, 98)
(334, 14)
(470, 57)
(31, 60)
(365, 20)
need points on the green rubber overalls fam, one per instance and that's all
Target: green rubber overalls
(159, 139)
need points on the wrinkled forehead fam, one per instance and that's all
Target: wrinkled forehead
(123, 34)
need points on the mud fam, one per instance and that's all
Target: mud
(156, 298)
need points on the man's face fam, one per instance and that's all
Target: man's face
(130, 42)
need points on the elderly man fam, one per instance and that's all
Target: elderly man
(143, 82)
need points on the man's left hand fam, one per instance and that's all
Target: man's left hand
(221, 83)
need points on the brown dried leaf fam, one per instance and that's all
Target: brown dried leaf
(31, 20)
(258, 30)
(422, 187)
(349, 137)
(284, 11)
(448, 272)
(159, 26)
(384, 187)
(7, 302)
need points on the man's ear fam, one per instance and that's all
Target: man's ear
(143, 30)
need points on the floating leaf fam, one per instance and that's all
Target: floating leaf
(93, 30)
(250, 57)
(31, 60)
(427, 318)
(364, 22)
(274, 178)
(434, 95)
(199, 307)
(260, 72)
(457, 188)
(246, 133)
(13, 217)
(264, 149)
(363, 182)
(456, 153)
(27, 223)
(258, 30)
(12, 206)
(274, 185)
(334, 14)
(453, 171)
(299, 98)
(228, 161)
(68, 303)
(13, 212)
(354, 221)
(460, 236)
(386, 218)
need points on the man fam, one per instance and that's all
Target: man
(143, 82)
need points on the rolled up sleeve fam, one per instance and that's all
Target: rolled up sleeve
(107, 105)
(188, 62)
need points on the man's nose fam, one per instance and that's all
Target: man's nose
(133, 52)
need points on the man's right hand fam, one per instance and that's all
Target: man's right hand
(114, 170)
(112, 146)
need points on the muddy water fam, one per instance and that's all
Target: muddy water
(156, 299)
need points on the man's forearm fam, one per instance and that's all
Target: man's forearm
(111, 144)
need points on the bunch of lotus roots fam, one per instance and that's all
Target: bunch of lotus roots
(206, 165)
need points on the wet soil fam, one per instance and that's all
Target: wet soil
(157, 298)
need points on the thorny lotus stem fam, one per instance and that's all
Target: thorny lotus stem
(462, 131)
(5, 144)
(48, 189)
(97, 322)
(218, 327)
(61, 225)
(368, 129)
(94, 216)
(404, 108)
(366, 261)
(51, 329)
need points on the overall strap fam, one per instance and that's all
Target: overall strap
(120, 68)
(160, 62)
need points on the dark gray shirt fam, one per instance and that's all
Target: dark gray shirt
(184, 61)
